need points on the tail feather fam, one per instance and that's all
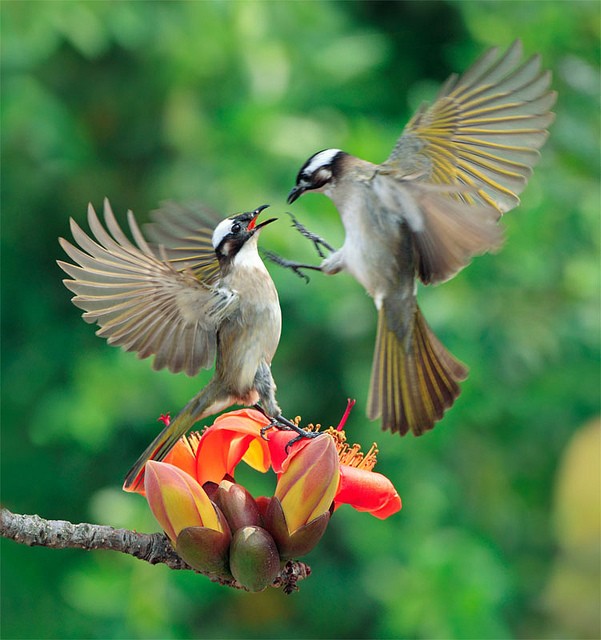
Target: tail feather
(414, 380)
(158, 449)
(202, 405)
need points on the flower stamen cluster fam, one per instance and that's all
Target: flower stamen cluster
(352, 455)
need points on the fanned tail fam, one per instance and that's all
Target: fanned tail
(414, 378)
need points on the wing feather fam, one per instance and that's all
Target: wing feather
(185, 232)
(447, 231)
(483, 131)
(140, 301)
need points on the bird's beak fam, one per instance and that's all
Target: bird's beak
(253, 226)
(296, 193)
(265, 223)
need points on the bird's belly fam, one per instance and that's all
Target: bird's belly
(366, 252)
(246, 342)
(370, 263)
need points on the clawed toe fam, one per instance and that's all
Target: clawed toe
(317, 241)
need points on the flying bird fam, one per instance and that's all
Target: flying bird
(459, 164)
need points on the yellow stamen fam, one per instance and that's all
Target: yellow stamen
(192, 440)
(352, 455)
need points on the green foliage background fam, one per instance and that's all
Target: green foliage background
(222, 102)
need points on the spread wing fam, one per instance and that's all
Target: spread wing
(483, 131)
(185, 232)
(140, 300)
(447, 233)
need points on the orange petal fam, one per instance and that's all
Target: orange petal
(249, 421)
(182, 456)
(367, 491)
(233, 437)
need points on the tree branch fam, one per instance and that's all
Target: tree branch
(154, 548)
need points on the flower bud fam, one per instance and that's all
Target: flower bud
(298, 514)
(307, 487)
(205, 549)
(237, 505)
(177, 500)
(254, 559)
(302, 540)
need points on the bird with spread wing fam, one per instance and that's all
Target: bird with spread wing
(198, 295)
(459, 164)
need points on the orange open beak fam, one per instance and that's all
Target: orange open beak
(253, 226)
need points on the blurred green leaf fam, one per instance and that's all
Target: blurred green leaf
(222, 102)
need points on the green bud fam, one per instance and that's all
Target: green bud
(254, 559)
(205, 549)
(302, 540)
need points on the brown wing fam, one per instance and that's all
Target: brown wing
(447, 232)
(140, 301)
(185, 232)
(483, 131)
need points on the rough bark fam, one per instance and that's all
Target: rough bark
(155, 548)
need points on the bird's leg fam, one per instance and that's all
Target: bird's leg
(267, 427)
(290, 264)
(317, 241)
(297, 267)
(282, 423)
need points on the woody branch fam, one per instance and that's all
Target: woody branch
(154, 548)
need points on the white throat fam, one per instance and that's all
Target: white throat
(248, 256)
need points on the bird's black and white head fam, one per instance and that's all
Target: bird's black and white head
(318, 173)
(237, 235)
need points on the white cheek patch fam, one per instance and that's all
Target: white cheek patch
(321, 159)
(221, 230)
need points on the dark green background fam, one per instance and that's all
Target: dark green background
(222, 102)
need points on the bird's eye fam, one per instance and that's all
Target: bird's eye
(236, 227)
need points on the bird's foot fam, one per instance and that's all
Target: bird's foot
(289, 264)
(288, 425)
(283, 424)
(273, 423)
(317, 241)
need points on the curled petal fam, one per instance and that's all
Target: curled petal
(367, 491)
(183, 456)
(233, 437)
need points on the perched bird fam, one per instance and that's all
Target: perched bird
(196, 296)
(425, 212)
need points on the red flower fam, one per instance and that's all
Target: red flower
(367, 491)
(233, 437)
(219, 528)
(236, 436)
